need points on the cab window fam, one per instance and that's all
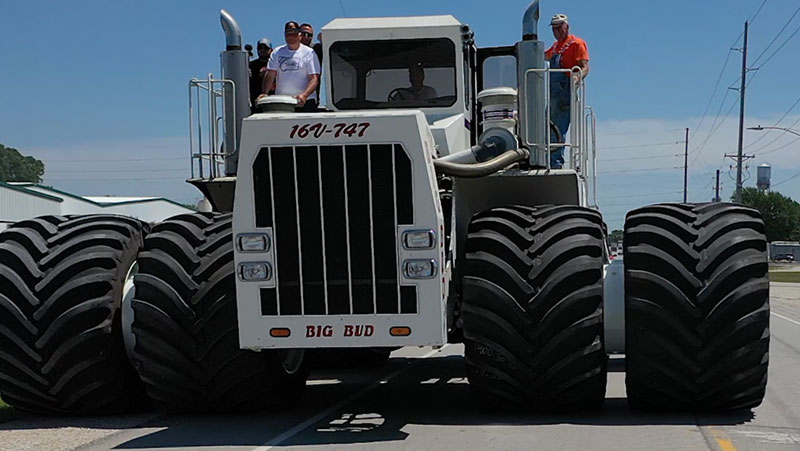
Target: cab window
(404, 73)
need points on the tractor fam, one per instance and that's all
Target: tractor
(382, 221)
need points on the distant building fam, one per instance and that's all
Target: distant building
(19, 201)
(781, 248)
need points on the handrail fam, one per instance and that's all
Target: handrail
(207, 89)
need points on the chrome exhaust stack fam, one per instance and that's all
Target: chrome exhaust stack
(532, 89)
(236, 97)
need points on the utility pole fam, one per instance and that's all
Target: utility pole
(686, 168)
(716, 196)
(741, 119)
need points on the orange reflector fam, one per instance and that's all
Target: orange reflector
(400, 331)
(280, 332)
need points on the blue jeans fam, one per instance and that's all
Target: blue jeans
(559, 114)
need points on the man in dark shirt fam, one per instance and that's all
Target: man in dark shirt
(258, 68)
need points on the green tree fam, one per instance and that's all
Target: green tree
(615, 237)
(781, 214)
(15, 167)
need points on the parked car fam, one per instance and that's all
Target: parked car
(784, 258)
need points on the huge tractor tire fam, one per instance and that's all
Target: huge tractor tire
(696, 307)
(533, 309)
(61, 288)
(186, 331)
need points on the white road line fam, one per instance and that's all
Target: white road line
(787, 319)
(277, 440)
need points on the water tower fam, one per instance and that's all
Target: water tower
(764, 176)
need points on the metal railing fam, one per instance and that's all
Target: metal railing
(582, 137)
(206, 105)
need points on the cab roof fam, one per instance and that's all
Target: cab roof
(351, 24)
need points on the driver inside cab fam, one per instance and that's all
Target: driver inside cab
(418, 90)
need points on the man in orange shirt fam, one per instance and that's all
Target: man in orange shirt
(568, 52)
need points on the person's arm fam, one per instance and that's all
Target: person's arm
(313, 82)
(584, 65)
(269, 80)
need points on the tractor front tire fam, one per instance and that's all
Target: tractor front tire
(533, 308)
(186, 330)
(696, 307)
(61, 286)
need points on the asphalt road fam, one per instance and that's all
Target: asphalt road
(420, 401)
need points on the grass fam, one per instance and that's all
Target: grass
(6, 412)
(784, 276)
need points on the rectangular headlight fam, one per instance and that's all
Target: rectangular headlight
(255, 271)
(419, 239)
(253, 242)
(419, 269)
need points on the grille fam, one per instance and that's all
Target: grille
(334, 211)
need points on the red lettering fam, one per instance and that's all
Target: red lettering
(327, 331)
(369, 330)
(310, 332)
(348, 331)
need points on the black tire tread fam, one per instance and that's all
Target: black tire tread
(185, 323)
(61, 345)
(697, 307)
(533, 308)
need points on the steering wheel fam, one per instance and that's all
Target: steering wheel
(399, 94)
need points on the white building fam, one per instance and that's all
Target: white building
(19, 201)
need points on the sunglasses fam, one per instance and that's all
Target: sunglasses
(292, 31)
(306, 34)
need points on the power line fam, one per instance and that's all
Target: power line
(650, 157)
(758, 58)
(784, 181)
(144, 171)
(618, 171)
(638, 146)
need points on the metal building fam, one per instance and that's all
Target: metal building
(19, 201)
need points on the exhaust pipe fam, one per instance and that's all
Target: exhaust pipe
(480, 169)
(236, 98)
(530, 21)
(233, 34)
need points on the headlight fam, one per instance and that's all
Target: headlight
(419, 269)
(255, 271)
(419, 239)
(253, 242)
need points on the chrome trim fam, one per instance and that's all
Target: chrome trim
(433, 263)
(431, 233)
(398, 258)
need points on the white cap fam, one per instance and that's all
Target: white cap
(264, 41)
(558, 19)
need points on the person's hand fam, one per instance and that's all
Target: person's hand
(301, 99)
(261, 96)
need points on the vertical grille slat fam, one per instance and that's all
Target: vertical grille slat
(383, 225)
(333, 200)
(288, 258)
(310, 230)
(335, 212)
(360, 246)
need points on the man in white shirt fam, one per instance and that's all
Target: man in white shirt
(295, 67)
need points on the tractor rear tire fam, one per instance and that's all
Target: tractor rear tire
(533, 309)
(186, 328)
(61, 286)
(696, 307)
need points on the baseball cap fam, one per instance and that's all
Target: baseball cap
(264, 41)
(558, 19)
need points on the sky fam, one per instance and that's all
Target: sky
(98, 89)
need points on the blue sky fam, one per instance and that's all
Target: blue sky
(97, 89)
